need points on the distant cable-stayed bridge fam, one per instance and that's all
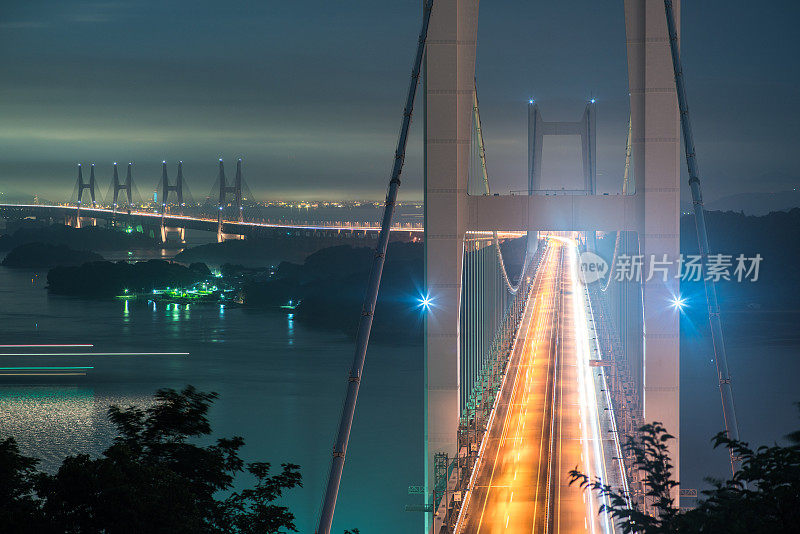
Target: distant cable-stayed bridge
(170, 209)
(229, 228)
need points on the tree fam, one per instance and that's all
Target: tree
(19, 510)
(762, 497)
(152, 479)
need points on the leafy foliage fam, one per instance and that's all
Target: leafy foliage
(763, 496)
(152, 479)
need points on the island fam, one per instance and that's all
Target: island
(110, 279)
(47, 255)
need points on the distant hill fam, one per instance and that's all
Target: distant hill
(88, 238)
(776, 237)
(247, 252)
(106, 278)
(757, 203)
(330, 287)
(47, 255)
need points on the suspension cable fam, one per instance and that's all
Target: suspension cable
(371, 296)
(726, 391)
(510, 287)
(625, 178)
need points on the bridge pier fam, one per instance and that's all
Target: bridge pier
(179, 232)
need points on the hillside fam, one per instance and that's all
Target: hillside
(47, 255)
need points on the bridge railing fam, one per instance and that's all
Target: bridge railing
(450, 484)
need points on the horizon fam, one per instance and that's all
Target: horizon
(74, 91)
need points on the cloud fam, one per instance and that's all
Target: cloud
(24, 25)
(86, 13)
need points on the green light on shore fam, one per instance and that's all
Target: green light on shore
(41, 368)
(291, 305)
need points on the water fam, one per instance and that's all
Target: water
(762, 347)
(281, 387)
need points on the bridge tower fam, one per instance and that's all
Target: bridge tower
(448, 91)
(86, 185)
(90, 185)
(585, 129)
(224, 189)
(166, 188)
(652, 211)
(655, 143)
(126, 186)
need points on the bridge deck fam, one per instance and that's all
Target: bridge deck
(537, 436)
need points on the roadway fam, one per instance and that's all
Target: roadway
(539, 430)
(210, 224)
(197, 223)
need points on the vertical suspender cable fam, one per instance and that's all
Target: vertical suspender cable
(371, 296)
(731, 426)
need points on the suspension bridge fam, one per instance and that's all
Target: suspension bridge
(528, 373)
(532, 373)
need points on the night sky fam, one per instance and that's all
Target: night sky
(311, 92)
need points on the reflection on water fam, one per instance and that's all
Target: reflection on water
(280, 388)
(50, 421)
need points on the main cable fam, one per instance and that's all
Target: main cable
(726, 391)
(371, 296)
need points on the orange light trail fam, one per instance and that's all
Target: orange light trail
(540, 429)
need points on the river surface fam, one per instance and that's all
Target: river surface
(281, 387)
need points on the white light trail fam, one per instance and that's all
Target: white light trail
(590, 426)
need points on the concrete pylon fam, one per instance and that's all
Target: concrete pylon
(166, 188)
(237, 190)
(90, 185)
(86, 185)
(584, 128)
(224, 189)
(655, 136)
(449, 86)
(126, 186)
